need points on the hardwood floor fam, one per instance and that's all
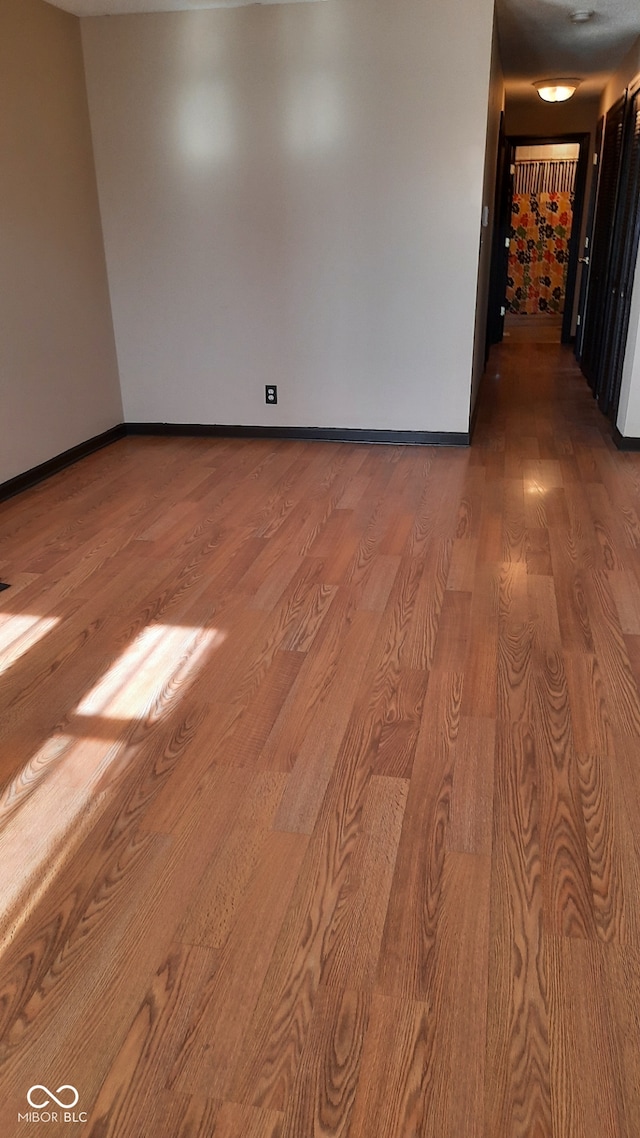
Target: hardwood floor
(321, 783)
(540, 328)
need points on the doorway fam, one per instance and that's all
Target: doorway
(537, 238)
(542, 216)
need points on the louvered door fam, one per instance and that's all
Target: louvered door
(593, 342)
(623, 260)
(587, 256)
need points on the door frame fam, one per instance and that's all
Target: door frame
(499, 252)
(585, 276)
(504, 195)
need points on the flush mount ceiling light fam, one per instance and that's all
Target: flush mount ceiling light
(582, 15)
(556, 90)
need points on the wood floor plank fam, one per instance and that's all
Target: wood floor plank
(391, 1096)
(320, 679)
(406, 958)
(182, 1116)
(318, 751)
(565, 863)
(325, 1087)
(425, 618)
(615, 873)
(462, 566)
(445, 1053)
(514, 534)
(236, 1121)
(397, 735)
(609, 534)
(135, 1079)
(569, 584)
(221, 889)
(470, 507)
(275, 1038)
(626, 594)
(480, 696)
(622, 970)
(452, 641)
(246, 725)
(206, 1059)
(379, 583)
(538, 552)
(515, 684)
(490, 545)
(455, 1104)
(518, 1096)
(586, 1083)
(471, 820)
(591, 717)
(351, 955)
(622, 695)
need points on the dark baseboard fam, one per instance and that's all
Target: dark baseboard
(318, 434)
(53, 465)
(625, 442)
(204, 430)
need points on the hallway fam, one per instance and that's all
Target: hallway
(321, 800)
(561, 516)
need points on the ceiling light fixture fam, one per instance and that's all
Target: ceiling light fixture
(556, 90)
(582, 15)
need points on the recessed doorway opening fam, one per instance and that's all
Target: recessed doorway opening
(540, 194)
(542, 215)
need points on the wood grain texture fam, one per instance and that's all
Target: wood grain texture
(327, 1078)
(613, 862)
(518, 1091)
(471, 817)
(584, 1043)
(407, 955)
(320, 781)
(565, 864)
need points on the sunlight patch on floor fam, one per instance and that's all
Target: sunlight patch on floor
(19, 632)
(59, 812)
(153, 668)
(25, 782)
(56, 799)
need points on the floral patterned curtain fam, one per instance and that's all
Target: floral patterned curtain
(539, 252)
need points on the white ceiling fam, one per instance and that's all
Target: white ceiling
(538, 39)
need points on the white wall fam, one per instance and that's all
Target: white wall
(292, 194)
(527, 114)
(628, 70)
(58, 372)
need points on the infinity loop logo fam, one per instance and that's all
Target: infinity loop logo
(60, 1102)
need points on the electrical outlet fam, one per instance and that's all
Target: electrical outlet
(271, 393)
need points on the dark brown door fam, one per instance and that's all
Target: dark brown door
(585, 259)
(624, 254)
(591, 360)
